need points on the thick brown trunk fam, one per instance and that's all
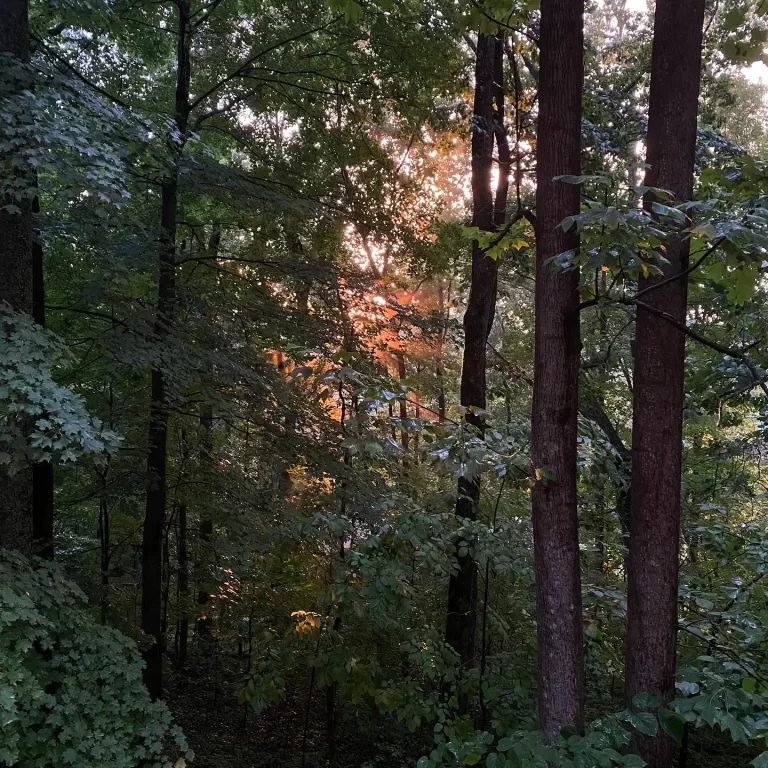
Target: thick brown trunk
(154, 518)
(659, 375)
(16, 272)
(556, 374)
(478, 319)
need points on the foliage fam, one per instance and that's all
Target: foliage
(71, 691)
(61, 428)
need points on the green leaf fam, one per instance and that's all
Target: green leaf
(673, 723)
(646, 701)
(706, 230)
(644, 722)
(761, 761)
(735, 18)
(505, 744)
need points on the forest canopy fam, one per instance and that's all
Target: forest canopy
(383, 383)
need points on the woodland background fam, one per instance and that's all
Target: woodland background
(237, 244)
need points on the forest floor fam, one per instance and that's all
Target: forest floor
(225, 734)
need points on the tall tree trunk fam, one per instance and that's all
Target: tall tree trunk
(203, 625)
(443, 303)
(183, 584)
(16, 264)
(594, 410)
(42, 472)
(104, 549)
(154, 519)
(659, 375)
(502, 140)
(556, 374)
(404, 434)
(478, 319)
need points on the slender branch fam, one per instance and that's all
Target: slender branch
(739, 354)
(522, 213)
(80, 76)
(243, 67)
(680, 275)
(520, 31)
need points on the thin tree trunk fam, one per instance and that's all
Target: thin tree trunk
(104, 544)
(404, 434)
(556, 374)
(203, 624)
(594, 410)
(16, 530)
(42, 472)
(461, 621)
(659, 375)
(154, 520)
(443, 300)
(183, 584)
(502, 140)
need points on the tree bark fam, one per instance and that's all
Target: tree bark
(504, 155)
(154, 518)
(659, 375)
(556, 374)
(16, 266)
(462, 588)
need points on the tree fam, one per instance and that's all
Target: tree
(478, 319)
(659, 372)
(154, 520)
(556, 373)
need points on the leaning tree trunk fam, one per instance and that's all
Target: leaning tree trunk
(154, 517)
(478, 319)
(659, 374)
(556, 374)
(16, 254)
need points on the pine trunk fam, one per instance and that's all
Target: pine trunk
(659, 375)
(556, 374)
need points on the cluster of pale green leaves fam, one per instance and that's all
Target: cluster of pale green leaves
(41, 420)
